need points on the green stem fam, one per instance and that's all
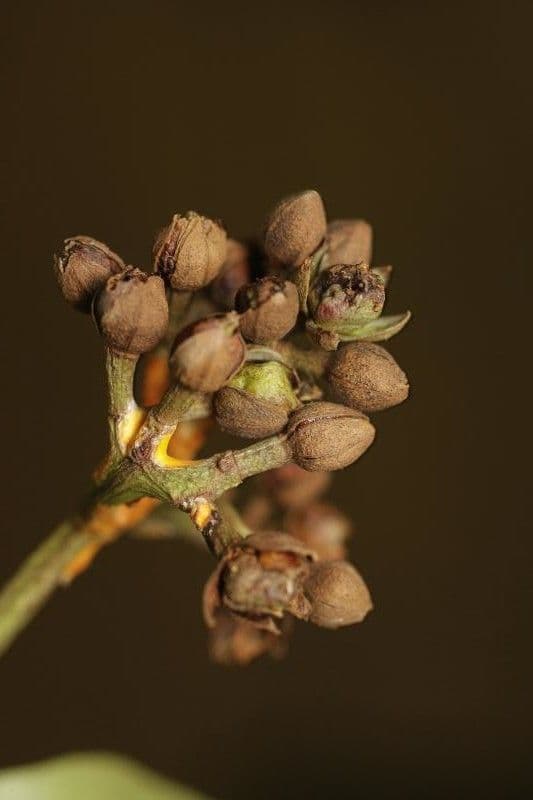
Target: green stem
(120, 372)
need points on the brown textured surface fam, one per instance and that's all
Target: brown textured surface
(365, 376)
(412, 115)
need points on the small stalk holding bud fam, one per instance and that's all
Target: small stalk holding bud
(287, 360)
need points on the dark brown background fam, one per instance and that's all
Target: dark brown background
(414, 115)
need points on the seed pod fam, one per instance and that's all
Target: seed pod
(257, 401)
(349, 241)
(295, 228)
(268, 308)
(131, 311)
(293, 487)
(83, 268)
(337, 593)
(365, 376)
(326, 436)
(322, 527)
(208, 353)
(344, 296)
(235, 273)
(189, 253)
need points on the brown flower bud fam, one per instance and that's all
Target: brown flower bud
(257, 401)
(131, 311)
(236, 641)
(235, 273)
(83, 268)
(321, 527)
(268, 308)
(337, 593)
(189, 253)
(261, 579)
(293, 487)
(208, 353)
(326, 436)
(346, 296)
(295, 228)
(365, 376)
(349, 241)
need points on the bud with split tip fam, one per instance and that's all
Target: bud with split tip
(337, 593)
(257, 401)
(235, 272)
(190, 252)
(349, 241)
(208, 353)
(365, 376)
(295, 228)
(327, 436)
(131, 311)
(344, 296)
(322, 527)
(268, 308)
(82, 268)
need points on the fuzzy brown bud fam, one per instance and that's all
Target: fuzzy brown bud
(295, 228)
(131, 311)
(257, 401)
(208, 353)
(235, 272)
(337, 593)
(346, 296)
(268, 308)
(326, 436)
(365, 376)
(82, 268)
(189, 253)
(322, 527)
(293, 487)
(349, 241)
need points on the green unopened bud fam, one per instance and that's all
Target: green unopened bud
(189, 253)
(349, 241)
(346, 296)
(295, 228)
(326, 436)
(208, 353)
(82, 268)
(235, 272)
(321, 527)
(365, 376)
(257, 401)
(268, 308)
(337, 593)
(131, 311)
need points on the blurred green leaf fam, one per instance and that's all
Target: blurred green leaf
(89, 776)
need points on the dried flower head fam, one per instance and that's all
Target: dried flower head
(349, 241)
(82, 268)
(235, 641)
(365, 376)
(337, 593)
(235, 272)
(257, 401)
(190, 252)
(207, 353)
(326, 436)
(295, 228)
(131, 311)
(268, 309)
(344, 296)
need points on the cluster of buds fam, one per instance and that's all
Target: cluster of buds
(289, 357)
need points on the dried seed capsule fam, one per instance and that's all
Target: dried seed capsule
(322, 527)
(257, 401)
(83, 268)
(208, 353)
(365, 376)
(326, 436)
(344, 296)
(349, 241)
(131, 311)
(337, 593)
(268, 308)
(189, 253)
(295, 228)
(235, 272)
(293, 487)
